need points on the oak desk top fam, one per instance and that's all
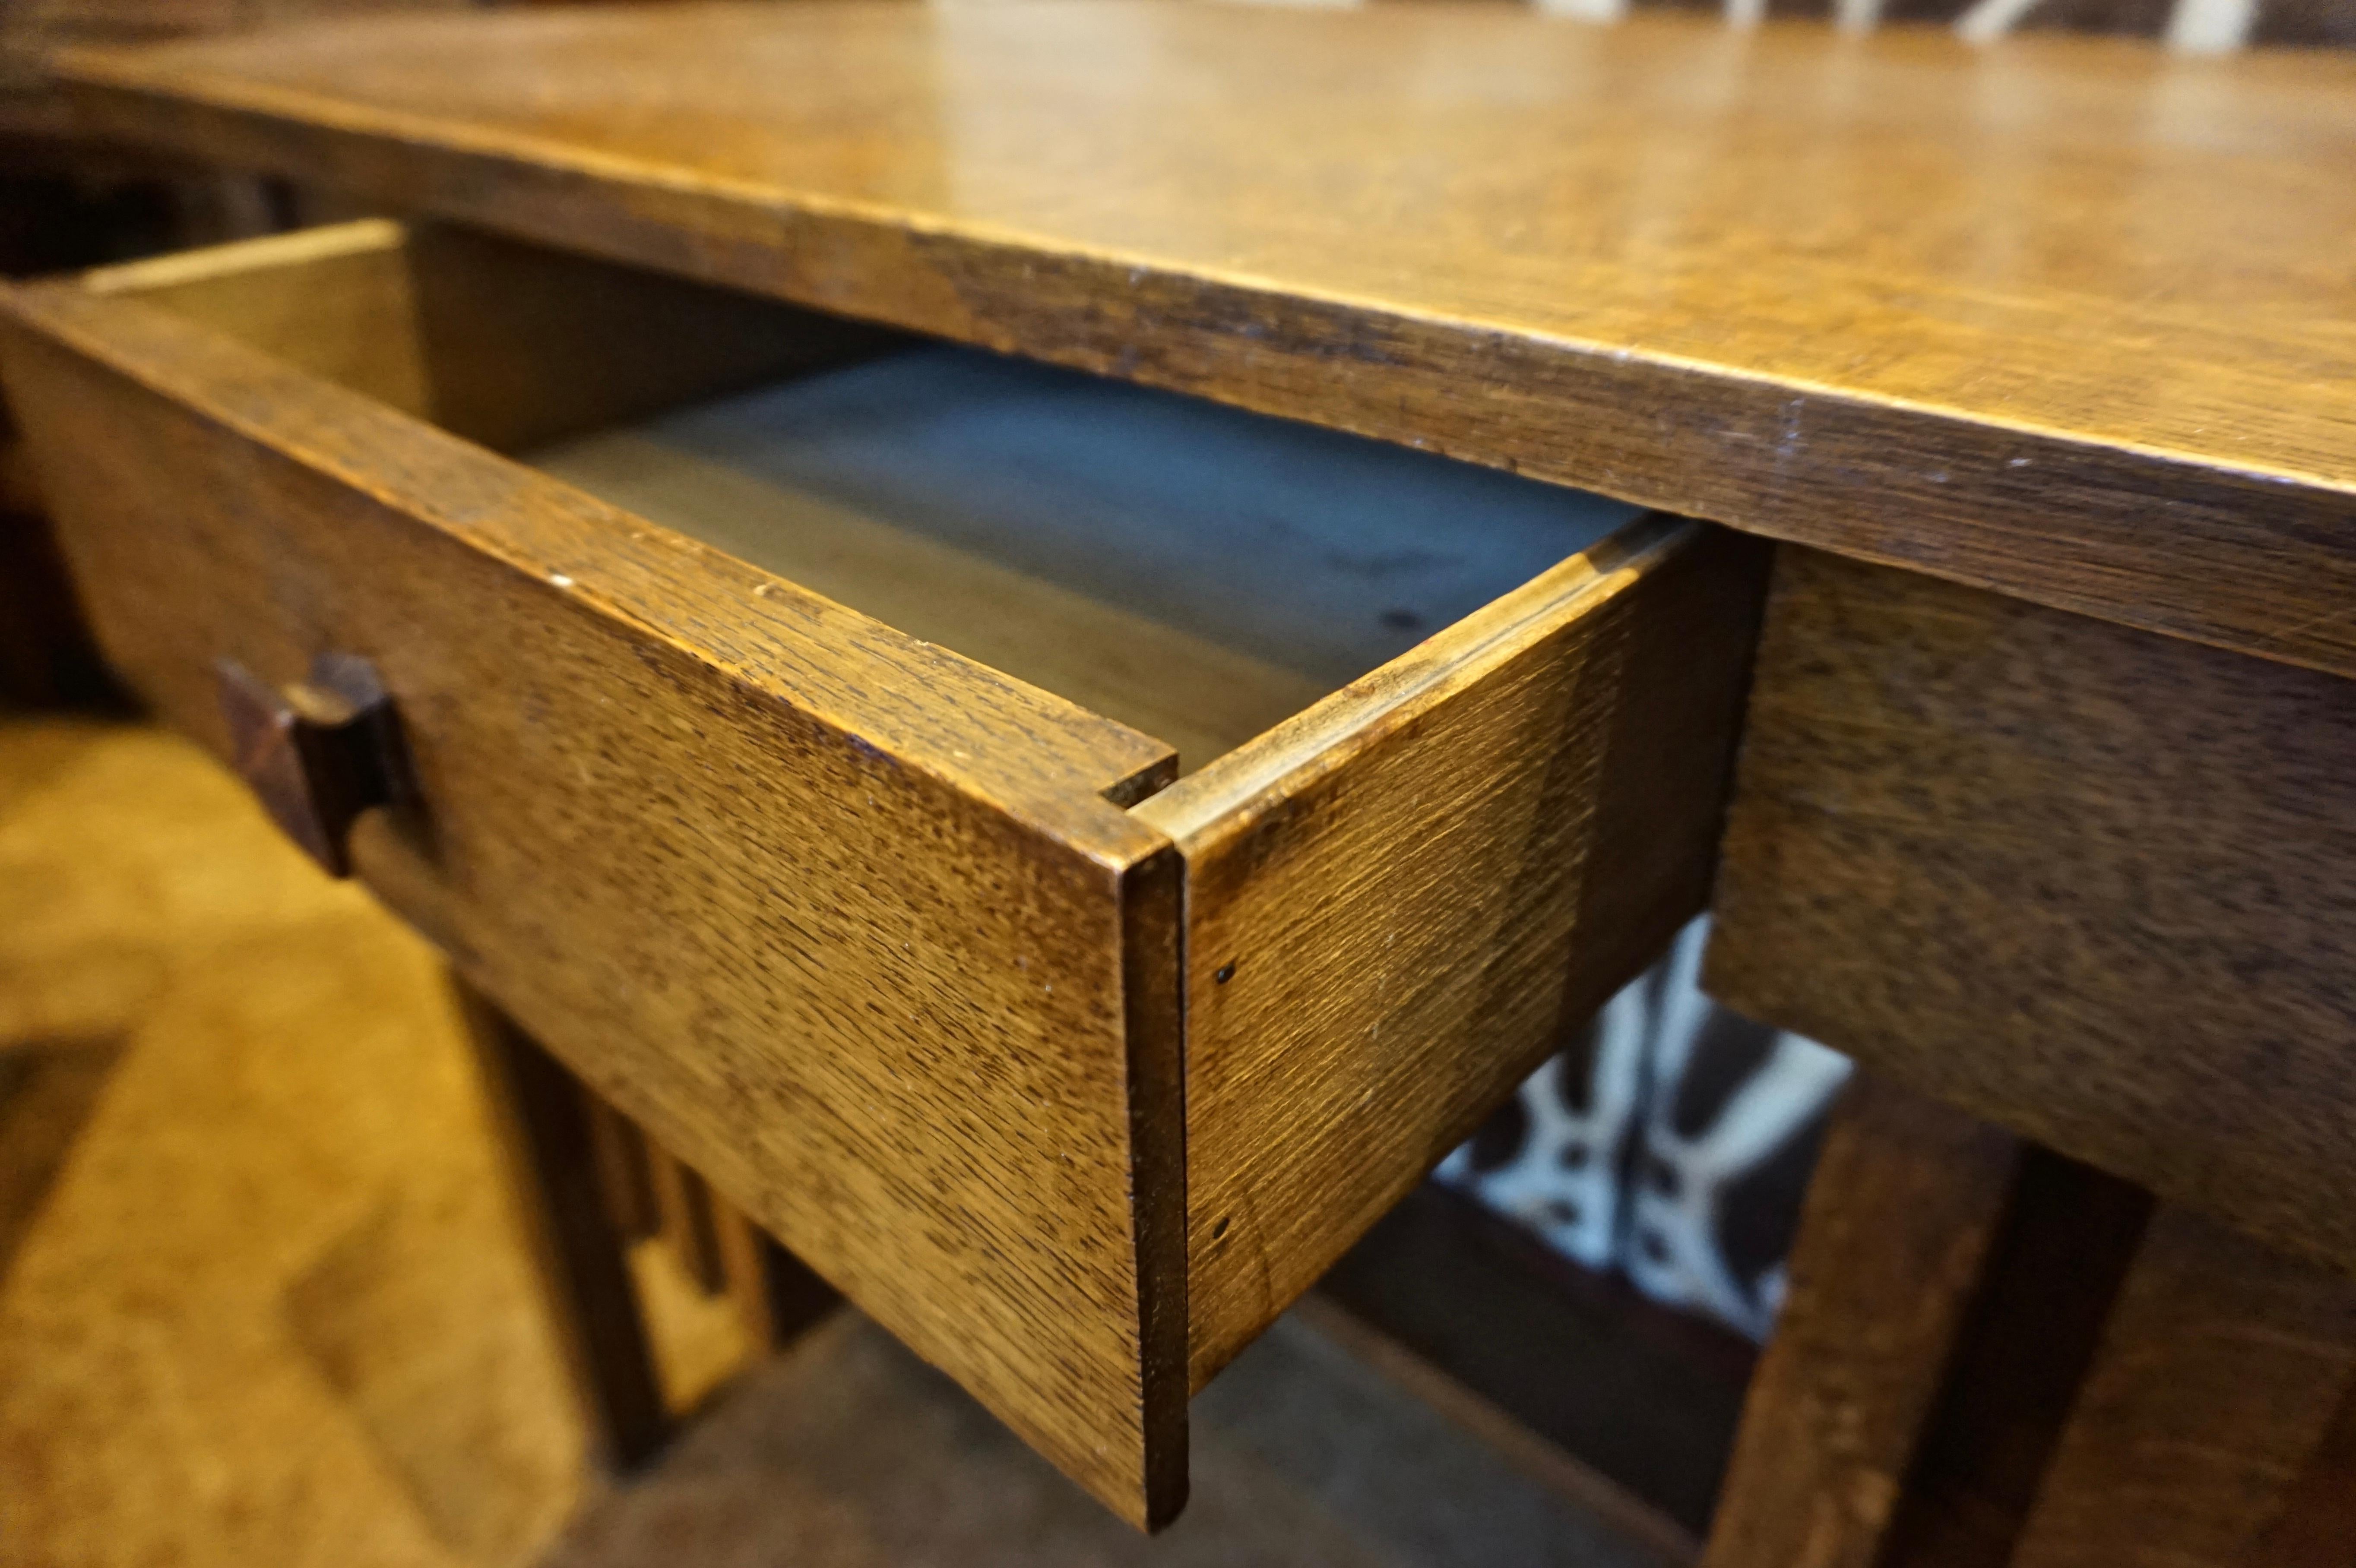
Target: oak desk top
(2073, 319)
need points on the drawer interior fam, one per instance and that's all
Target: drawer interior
(1192, 570)
(1195, 572)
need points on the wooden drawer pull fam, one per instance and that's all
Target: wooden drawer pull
(318, 752)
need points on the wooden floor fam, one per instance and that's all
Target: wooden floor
(260, 1300)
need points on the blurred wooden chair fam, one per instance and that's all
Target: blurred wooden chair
(592, 1187)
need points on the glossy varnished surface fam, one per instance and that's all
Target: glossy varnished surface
(2071, 318)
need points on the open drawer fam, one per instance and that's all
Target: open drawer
(1070, 1068)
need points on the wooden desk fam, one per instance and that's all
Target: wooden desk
(2043, 355)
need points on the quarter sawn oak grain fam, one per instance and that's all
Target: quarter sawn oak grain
(895, 950)
(839, 917)
(2071, 319)
(2094, 884)
(1399, 902)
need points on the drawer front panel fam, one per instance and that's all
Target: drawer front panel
(703, 834)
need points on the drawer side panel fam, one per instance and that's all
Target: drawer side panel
(1398, 903)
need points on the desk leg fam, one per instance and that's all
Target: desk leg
(544, 1121)
(1896, 1234)
(1947, 1289)
(1993, 1357)
(2217, 1425)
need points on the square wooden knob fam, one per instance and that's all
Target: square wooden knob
(317, 752)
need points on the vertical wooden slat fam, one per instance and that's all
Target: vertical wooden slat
(2204, 1429)
(777, 1296)
(544, 1122)
(689, 1229)
(1900, 1220)
(624, 1169)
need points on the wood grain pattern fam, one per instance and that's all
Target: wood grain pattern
(858, 929)
(2094, 884)
(1195, 572)
(339, 301)
(2064, 318)
(2219, 1377)
(1902, 1222)
(843, 918)
(1398, 902)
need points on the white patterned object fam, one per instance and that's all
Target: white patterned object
(1669, 1143)
(1565, 1183)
